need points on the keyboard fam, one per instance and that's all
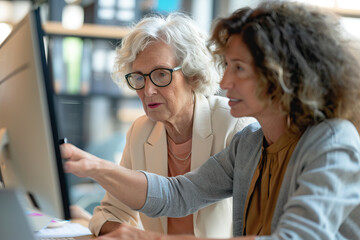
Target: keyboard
(65, 238)
(68, 231)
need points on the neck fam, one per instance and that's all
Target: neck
(180, 130)
(273, 128)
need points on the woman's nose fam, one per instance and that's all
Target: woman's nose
(226, 81)
(150, 89)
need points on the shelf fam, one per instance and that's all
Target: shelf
(87, 31)
(92, 95)
(346, 12)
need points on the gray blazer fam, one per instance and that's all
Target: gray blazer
(319, 197)
(146, 149)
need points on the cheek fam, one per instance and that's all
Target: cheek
(170, 101)
(175, 104)
(140, 94)
(142, 97)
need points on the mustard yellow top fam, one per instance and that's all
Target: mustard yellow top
(265, 185)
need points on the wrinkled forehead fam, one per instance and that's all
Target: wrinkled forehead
(155, 55)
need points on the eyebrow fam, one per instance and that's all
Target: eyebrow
(237, 60)
(156, 67)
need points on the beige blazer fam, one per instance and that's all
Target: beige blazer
(146, 149)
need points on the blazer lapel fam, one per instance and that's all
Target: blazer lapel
(156, 151)
(202, 138)
(156, 157)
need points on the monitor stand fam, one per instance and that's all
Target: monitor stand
(7, 171)
(13, 217)
(8, 179)
(37, 219)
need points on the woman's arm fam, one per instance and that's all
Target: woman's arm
(127, 185)
(127, 232)
(108, 227)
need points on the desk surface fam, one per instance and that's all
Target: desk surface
(85, 223)
(82, 217)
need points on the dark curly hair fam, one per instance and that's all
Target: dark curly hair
(302, 58)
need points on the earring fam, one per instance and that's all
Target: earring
(288, 121)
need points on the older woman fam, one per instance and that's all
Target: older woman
(296, 173)
(167, 63)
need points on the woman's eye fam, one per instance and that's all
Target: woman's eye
(239, 68)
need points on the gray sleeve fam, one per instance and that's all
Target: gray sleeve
(213, 181)
(183, 195)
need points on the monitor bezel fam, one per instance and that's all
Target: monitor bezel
(38, 39)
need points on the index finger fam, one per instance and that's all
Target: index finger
(70, 152)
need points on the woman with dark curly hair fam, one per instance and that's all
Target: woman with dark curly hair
(296, 173)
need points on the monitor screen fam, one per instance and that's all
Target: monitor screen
(29, 152)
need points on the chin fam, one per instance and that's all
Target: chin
(155, 118)
(234, 113)
(237, 114)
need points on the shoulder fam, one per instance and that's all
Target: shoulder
(247, 140)
(252, 133)
(333, 130)
(244, 148)
(143, 122)
(220, 118)
(216, 106)
(218, 103)
(220, 109)
(212, 112)
(141, 127)
(333, 136)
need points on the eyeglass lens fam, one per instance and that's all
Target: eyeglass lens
(160, 77)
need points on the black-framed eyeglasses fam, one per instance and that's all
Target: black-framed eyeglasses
(160, 77)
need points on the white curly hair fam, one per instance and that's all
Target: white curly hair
(180, 32)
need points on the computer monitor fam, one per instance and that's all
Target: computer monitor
(29, 152)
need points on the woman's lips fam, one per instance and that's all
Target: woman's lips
(153, 105)
(233, 101)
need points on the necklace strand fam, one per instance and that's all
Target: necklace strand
(178, 158)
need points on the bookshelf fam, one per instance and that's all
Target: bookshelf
(92, 111)
(86, 31)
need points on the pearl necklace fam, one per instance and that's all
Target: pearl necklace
(178, 158)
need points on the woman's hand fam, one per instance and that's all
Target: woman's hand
(79, 162)
(127, 185)
(128, 232)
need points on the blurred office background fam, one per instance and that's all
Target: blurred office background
(92, 111)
